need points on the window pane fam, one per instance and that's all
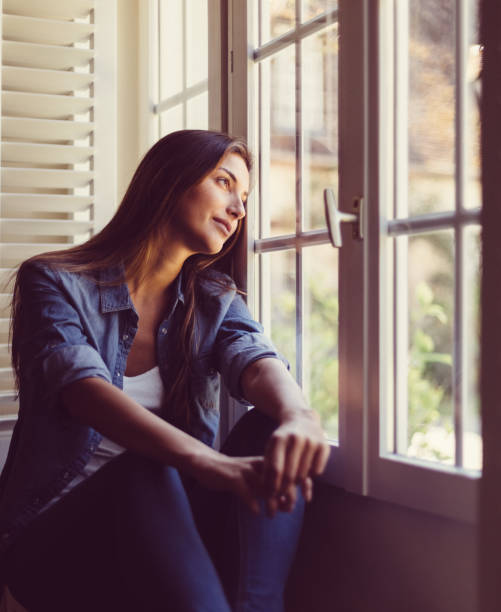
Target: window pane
(278, 144)
(320, 334)
(198, 112)
(197, 41)
(320, 123)
(171, 120)
(473, 197)
(472, 440)
(277, 17)
(312, 8)
(279, 302)
(183, 47)
(430, 286)
(431, 105)
(171, 47)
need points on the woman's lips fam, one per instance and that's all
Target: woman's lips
(223, 225)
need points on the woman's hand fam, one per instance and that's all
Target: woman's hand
(296, 451)
(240, 475)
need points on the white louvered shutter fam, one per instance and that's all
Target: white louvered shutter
(49, 137)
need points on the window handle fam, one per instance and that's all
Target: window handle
(335, 217)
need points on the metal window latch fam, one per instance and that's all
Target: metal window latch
(335, 217)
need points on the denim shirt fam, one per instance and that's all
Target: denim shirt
(75, 328)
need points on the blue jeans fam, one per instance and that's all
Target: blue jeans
(140, 536)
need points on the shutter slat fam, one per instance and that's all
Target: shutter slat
(45, 130)
(6, 375)
(14, 253)
(9, 405)
(4, 330)
(51, 57)
(5, 299)
(14, 204)
(6, 283)
(50, 9)
(44, 153)
(21, 104)
(38, 178)
(36, 80)
(44, 227)
(4, 356)
(44, 31)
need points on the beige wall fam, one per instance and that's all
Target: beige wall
(360, 555)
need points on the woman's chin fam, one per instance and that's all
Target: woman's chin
(210, 249)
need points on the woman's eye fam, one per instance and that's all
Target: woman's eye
(224, 181)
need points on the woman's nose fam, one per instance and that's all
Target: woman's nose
(237, 208)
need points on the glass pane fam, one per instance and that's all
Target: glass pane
(320, 123)
(171, 47)
(171, 120)
(198, 112)
(431, 105)
(320, 334)
(430, 423)
(472, 438)
(473, 197)
(278, 144)
(279, 302)
(277, 17)
(312, 8)
(197, 41)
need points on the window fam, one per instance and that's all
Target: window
(175, 66)
(377, 102)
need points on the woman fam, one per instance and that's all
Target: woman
(112, 497)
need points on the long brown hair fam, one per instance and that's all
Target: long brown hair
(173, 165)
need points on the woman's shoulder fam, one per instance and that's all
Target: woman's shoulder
(214, 282)
(40, 270)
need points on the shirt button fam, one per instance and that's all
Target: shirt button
(164, 330)
(125, 337)
(119, 374)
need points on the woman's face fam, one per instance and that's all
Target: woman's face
(209, 212)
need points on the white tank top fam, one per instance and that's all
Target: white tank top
(146, 389)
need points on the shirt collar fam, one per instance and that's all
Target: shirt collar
(114, 297)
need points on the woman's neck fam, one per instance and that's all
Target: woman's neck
(156, 279)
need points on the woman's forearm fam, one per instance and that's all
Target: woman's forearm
(267, 384)
(107, 409)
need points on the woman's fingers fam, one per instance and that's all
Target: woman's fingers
(249, 484)
(306, 463)
(307, 489)
(274, 463)
(296, 451)
(320, 458)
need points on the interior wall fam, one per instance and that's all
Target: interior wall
(357, 554)
(128, 93)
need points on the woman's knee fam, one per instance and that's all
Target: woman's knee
(250, 434)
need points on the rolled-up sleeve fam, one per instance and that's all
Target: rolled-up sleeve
(241, 341)
(51, 340)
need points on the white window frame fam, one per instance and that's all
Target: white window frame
(357, 463)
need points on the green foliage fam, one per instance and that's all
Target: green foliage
(430, 402)
(323, 354)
